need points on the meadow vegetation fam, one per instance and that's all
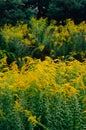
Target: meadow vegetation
(43, 76)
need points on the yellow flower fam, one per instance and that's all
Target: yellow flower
(32, 119)
(55, 43)
(17, 107)
(26, 41)
(85, 38)
(41, 47)
(27, 112)
(16, 103)
(69, 90)
(30, 35)
(56, 35)
(33, 41)
(11, 87)
(84, 111)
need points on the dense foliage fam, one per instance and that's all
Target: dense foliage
(12, 11)
(63, 9)
(43, 75)
(43, 95)
(41, 39)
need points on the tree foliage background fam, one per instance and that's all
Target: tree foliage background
(12, 11)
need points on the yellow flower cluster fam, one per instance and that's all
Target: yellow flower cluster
(61, 39)
(43, 79)
(47, 75)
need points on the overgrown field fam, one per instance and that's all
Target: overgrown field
(39, 39)
(43, 76)
(43, 95)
